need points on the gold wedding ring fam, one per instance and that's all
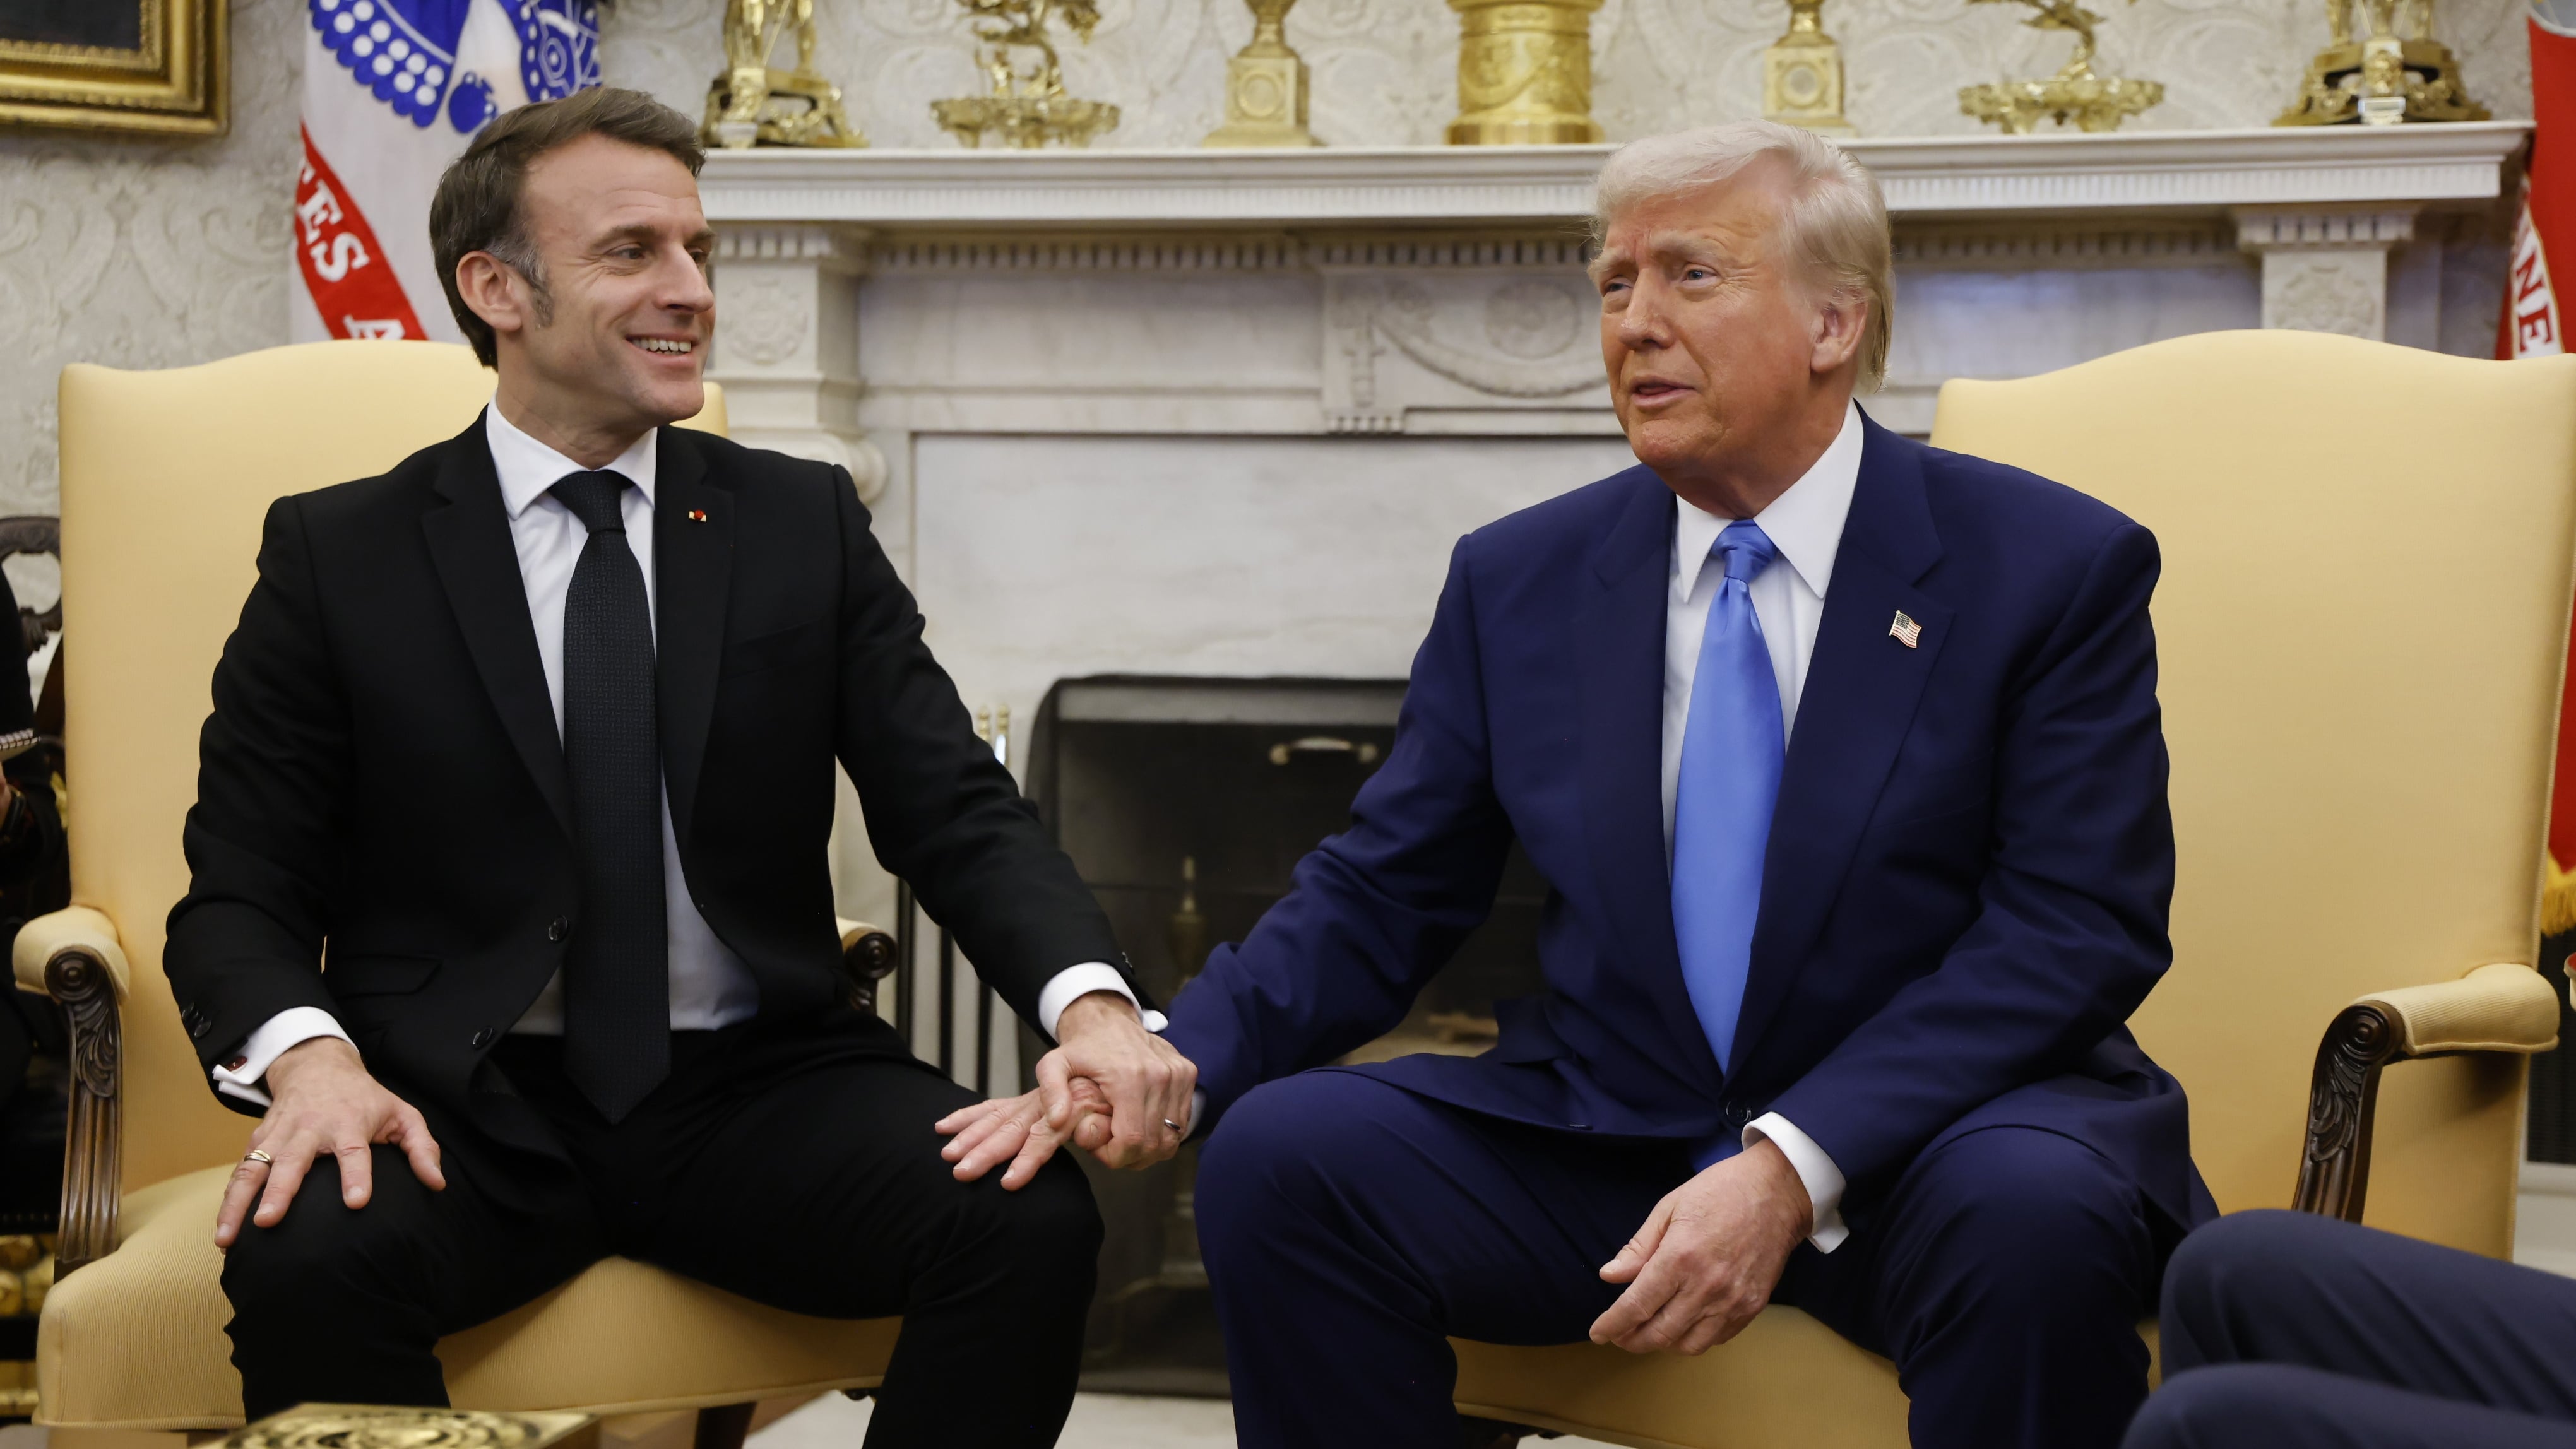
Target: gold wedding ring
(255, 1155)
(1168, 1122)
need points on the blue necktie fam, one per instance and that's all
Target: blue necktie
(1730, 777)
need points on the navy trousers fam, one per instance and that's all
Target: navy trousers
(2287, 1330)
(1350, 1227)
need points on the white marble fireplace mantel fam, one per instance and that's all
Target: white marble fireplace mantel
(2197, 172)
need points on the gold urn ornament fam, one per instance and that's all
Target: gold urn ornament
(2075, 94)
(1802, 74)
(2381, 71)
(1524, 73)
(1266, 87)
(1027, 108)
(754, 102)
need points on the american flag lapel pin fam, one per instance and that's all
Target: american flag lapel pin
(699, 515)
(1905, 631)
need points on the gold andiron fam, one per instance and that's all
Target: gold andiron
(1524, 73)
(2397, 72)
(2075, 93)
(1265, 86)
(1802, 74)
(754, 102)
(1026, 109)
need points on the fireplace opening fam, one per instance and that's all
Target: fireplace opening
(1185, 803)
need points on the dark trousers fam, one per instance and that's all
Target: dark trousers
(1350, 1227)
(784, 1166)
(2287, 1330)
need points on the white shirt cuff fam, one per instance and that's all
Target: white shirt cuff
(292, 1027)
(1075, 982)
(1823, 1180)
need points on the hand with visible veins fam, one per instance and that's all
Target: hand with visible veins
(1144, 1080)
(322, 1101)
(1708, 1256)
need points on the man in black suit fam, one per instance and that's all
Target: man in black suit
(532, 738)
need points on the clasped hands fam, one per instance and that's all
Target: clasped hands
(1111, 1088)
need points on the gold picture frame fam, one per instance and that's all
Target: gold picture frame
(160, 67)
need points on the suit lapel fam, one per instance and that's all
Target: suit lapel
(693, 527)
(469, 541)
(1619, 633)
(1853, 715)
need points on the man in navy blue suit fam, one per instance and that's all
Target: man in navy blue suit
(1842, 759)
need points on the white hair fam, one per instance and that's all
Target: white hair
(1835, 223)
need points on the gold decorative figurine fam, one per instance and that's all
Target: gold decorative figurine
(1524, 73)
(2398, 72)
(2075, 93)
(1265, 86)
(755, 103)
(1026, 109)
(1802, 74)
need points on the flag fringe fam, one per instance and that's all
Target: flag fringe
(2557, 899)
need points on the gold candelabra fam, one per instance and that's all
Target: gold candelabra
(2395, 72)
(1802, 74)
(1524, 73)
(1026, 108)
(754, 102)
(2075, 93)
(1265, 86)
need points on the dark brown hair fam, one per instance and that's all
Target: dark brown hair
(477, 207)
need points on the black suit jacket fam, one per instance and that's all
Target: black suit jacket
(381, 781)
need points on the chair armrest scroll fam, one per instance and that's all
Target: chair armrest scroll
(2501, 1007)
(74, 928)
(868, 957)
(73, 956)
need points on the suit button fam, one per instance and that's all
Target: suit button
(482, 1038)
(1737, 1114)
(558, 928)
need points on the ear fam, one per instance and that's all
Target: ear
(1841, 319)
(493, 291)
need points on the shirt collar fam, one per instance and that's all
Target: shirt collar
(528, 468)
(1805, 523)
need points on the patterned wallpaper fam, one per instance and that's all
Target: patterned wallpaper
(142, 253)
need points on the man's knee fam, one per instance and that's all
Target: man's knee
(2223, 1407)
(324, 1246)
(1286, 1147)
(1048, 1226)
(2268, 1256)
(2024, 1219)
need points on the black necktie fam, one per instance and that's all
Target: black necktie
(617, 975)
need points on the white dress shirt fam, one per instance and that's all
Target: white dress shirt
(710, 985)
(1806, 525)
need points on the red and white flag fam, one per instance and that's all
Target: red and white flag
(393, 91)
(2534, 315)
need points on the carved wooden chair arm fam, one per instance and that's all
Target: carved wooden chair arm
(2504, 1007)
(868, 955)
(73, 956)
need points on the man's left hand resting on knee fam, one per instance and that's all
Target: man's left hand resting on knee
(322, 1103)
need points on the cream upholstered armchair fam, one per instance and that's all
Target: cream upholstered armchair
(165, 478)
(2361, 626)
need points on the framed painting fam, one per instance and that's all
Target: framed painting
(115, 65)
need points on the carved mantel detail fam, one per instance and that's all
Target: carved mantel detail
(2326, 270)
(787, 342)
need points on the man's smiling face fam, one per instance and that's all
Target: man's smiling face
(624, 246)
(1707, 331)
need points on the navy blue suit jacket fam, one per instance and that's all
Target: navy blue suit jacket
(1967, 880)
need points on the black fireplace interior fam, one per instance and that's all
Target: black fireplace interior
(1185, 803)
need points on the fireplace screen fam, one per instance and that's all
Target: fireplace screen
(1185, 803)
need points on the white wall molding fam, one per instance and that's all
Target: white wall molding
(2205, 172)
